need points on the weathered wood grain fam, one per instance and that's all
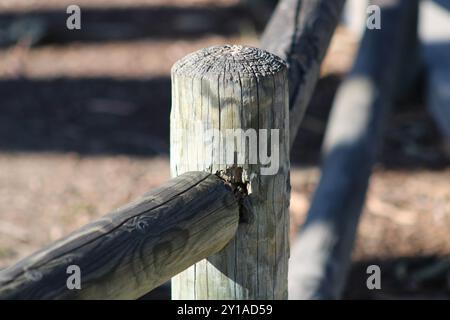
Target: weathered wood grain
(134, 249)
(299, 32)
(235, 87)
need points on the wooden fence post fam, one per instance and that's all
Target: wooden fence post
(230, 115)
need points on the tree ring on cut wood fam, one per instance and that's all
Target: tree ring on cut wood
(229, 60)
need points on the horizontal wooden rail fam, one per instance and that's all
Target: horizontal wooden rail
(134, 249)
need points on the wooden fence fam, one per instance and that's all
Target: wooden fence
(220, 228)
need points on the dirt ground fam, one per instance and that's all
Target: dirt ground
(84, 129)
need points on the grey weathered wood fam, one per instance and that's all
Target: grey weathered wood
(134, 249)
(321, 252)
(235, 87)
(299, 32)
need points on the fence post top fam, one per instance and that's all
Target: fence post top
(223, 60)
